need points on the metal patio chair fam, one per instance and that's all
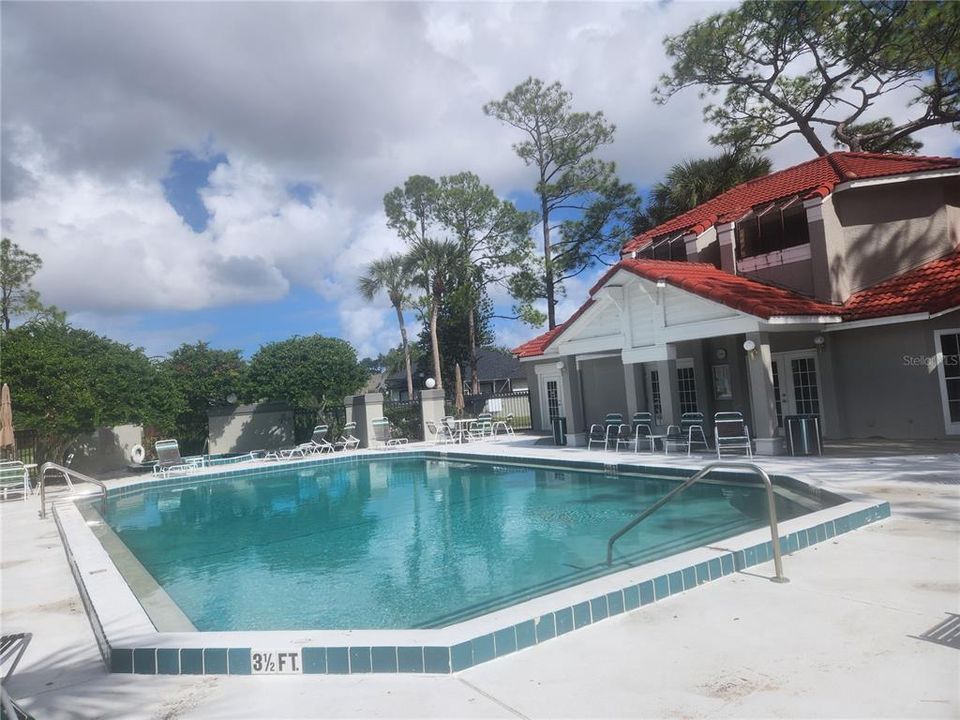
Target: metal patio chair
(730, 432)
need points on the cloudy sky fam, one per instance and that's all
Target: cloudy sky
(215, 171)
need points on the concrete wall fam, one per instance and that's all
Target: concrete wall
(107, 450)
(604, 389)
(889, 229)
(242, 428)
(879, 393)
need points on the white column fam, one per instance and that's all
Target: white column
(669, 391)
(630, 385)
(763, 403)
(431, 409)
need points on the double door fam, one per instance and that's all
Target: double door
(796, 385)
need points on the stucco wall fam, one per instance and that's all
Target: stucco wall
(795, 276)
(107, 450)
(880, 394)
(889, 229)
(242, 428)
(604, 388)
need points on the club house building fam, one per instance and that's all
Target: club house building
(829, 288)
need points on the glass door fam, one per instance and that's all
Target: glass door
(796, 385)
(551, 399)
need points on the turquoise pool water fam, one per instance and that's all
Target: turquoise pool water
(406, 543)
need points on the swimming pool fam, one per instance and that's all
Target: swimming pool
(355, 563)
(407, 543)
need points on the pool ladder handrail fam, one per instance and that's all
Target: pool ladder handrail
(699, 475)
(67, 473)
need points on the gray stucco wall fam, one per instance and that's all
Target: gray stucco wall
(795, 276)
(889, 229)
(604, 389)
(242, 428)
(880, 394)
(107, 450)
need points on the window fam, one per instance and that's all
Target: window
(553, 399)
(806, 394)
(687, 385)
(948, 349)
(666, 247)
(655, 397)
(772, 227)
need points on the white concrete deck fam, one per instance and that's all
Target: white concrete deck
(840, 640)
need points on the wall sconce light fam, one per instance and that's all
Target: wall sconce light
(430, 383)
(750, 347)
(561, 366)
(661, 283)
(819, 341)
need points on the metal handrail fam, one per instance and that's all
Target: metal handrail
(699, 475)
(67, 472)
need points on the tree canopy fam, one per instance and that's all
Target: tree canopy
(307, 372)
(692, 182)
(17, 297)
(796, 68)
(571, 183)
(67, 382)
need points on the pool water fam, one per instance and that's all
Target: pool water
(406, 543)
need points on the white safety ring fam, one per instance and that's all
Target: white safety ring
(137, 454)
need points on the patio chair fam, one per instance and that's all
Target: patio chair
(347, 440)
(506, 423)
(383, 433)
(482, 427)
(730, 432)
(597, 434)
(12, 648)
(170, 461)
(318, 443)
(14, 478)
(643, 430)
(623, 437)
(443, 435)
(687, 434)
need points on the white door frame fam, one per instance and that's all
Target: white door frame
(951, 428)
(788, 400)
(545, 377)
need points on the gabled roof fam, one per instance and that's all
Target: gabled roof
(817, 177)
(932, 287)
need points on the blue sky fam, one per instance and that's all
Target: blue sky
(215, 171)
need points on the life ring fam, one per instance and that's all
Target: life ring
(137, 454)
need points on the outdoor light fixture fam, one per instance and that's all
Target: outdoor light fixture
(751, 347)
(661, 283)
(819, 341)
(560, 365)
(430, 383)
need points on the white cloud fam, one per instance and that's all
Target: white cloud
(349, 97)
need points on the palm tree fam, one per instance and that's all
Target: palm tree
(434, 264)
(692, 182)
(391, 274)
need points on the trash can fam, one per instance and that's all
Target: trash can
(803, 434)
(559, 431)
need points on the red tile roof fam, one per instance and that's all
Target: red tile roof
(815, 177)
(537, 346)
(931, 287)
(734, 291)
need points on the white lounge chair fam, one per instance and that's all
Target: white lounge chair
(383, 433)
(170, 461)
(347, 440)
(14, 478)
(506, 423)
(730, 432)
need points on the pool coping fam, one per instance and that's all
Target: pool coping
(129, 642)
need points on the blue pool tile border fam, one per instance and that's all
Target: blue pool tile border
(439, 659)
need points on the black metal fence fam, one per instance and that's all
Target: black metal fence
(500, 405)
(27, 447)
(405, 417)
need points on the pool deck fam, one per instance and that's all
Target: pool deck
(842, 639)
